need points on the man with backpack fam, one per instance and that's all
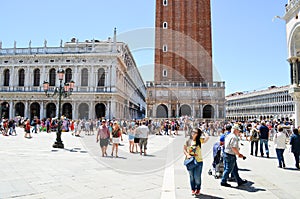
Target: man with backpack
(254, 138)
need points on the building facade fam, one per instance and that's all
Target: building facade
(183, 82)
(107, 81)
(292, 12)
(274, 103)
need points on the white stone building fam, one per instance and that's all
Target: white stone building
(274, 103)
(107, 81)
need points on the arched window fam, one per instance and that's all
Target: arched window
(21, 77)
(165, 48)
(36, 77)
(52, 77)
(68, 75)
(101, 77)
(6, 77)
(165, 2)
(84, 77)
(165, 73)
(165, 25)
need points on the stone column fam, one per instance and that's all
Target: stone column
(193, 109)
(295, 93)
(92, 112)
(42, 110)
(11, 110)
(76, 78)
(107, 110)
(106, 83)
(112, 108)
(294, 70)
(200, 111)
(26, 115)
(13, 78)
(74, 113)
(169, 110)
(177, 109)
(217, 111)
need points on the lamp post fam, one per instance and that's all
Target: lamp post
(61, 91)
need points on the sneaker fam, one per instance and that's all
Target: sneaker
(197, 193)
(242, 182)
(225, 184)
(193, 192)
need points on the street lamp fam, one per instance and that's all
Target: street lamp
(64, 91)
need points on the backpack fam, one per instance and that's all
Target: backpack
(255, 136)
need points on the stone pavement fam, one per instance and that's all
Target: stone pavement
(31, 168)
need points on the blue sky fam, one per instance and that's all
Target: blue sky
(249, 50)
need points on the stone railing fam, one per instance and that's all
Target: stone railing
(150, 84)
(81, 89)
(51, 50)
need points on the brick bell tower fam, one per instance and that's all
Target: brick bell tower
(183, 41)
(183, 79)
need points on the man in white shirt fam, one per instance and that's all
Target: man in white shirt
(231, 149)
(143, 132)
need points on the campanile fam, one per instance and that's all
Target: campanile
(183, 43)
(183, 79)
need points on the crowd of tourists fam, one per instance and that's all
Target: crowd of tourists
(227, 149)
(197, 132)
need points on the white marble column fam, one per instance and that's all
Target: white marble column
(11, 109)
(74, 116)
(92, 112)
(200, 111)
(76, 78)
(169, 110)
(108, 110)
(42, 110)
(113, 108)
(26, 110)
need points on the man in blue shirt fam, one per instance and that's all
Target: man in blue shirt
(263, 139)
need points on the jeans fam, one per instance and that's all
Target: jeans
(195, 176)
(256, 147)
(296, 155)
(265, 142)
(280, 158)
(230, 166)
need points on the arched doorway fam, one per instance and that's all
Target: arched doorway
(100, 110)
(34, 110)
(185, 110)
(20, 109)
(162, 111)
(83, 111)
(50, 110)
(67, 110)
(4, 110)
(208, 111)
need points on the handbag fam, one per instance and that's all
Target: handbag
(190, 163)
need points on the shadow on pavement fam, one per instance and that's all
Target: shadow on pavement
(248, 187)
(292, 169)
(204, 196)
(244, 169)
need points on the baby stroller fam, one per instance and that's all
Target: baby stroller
(218, 164)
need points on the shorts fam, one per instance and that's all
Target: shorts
(143, 143)
(104, 142)
(130, 137)
(115, 140)
(137, 140)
